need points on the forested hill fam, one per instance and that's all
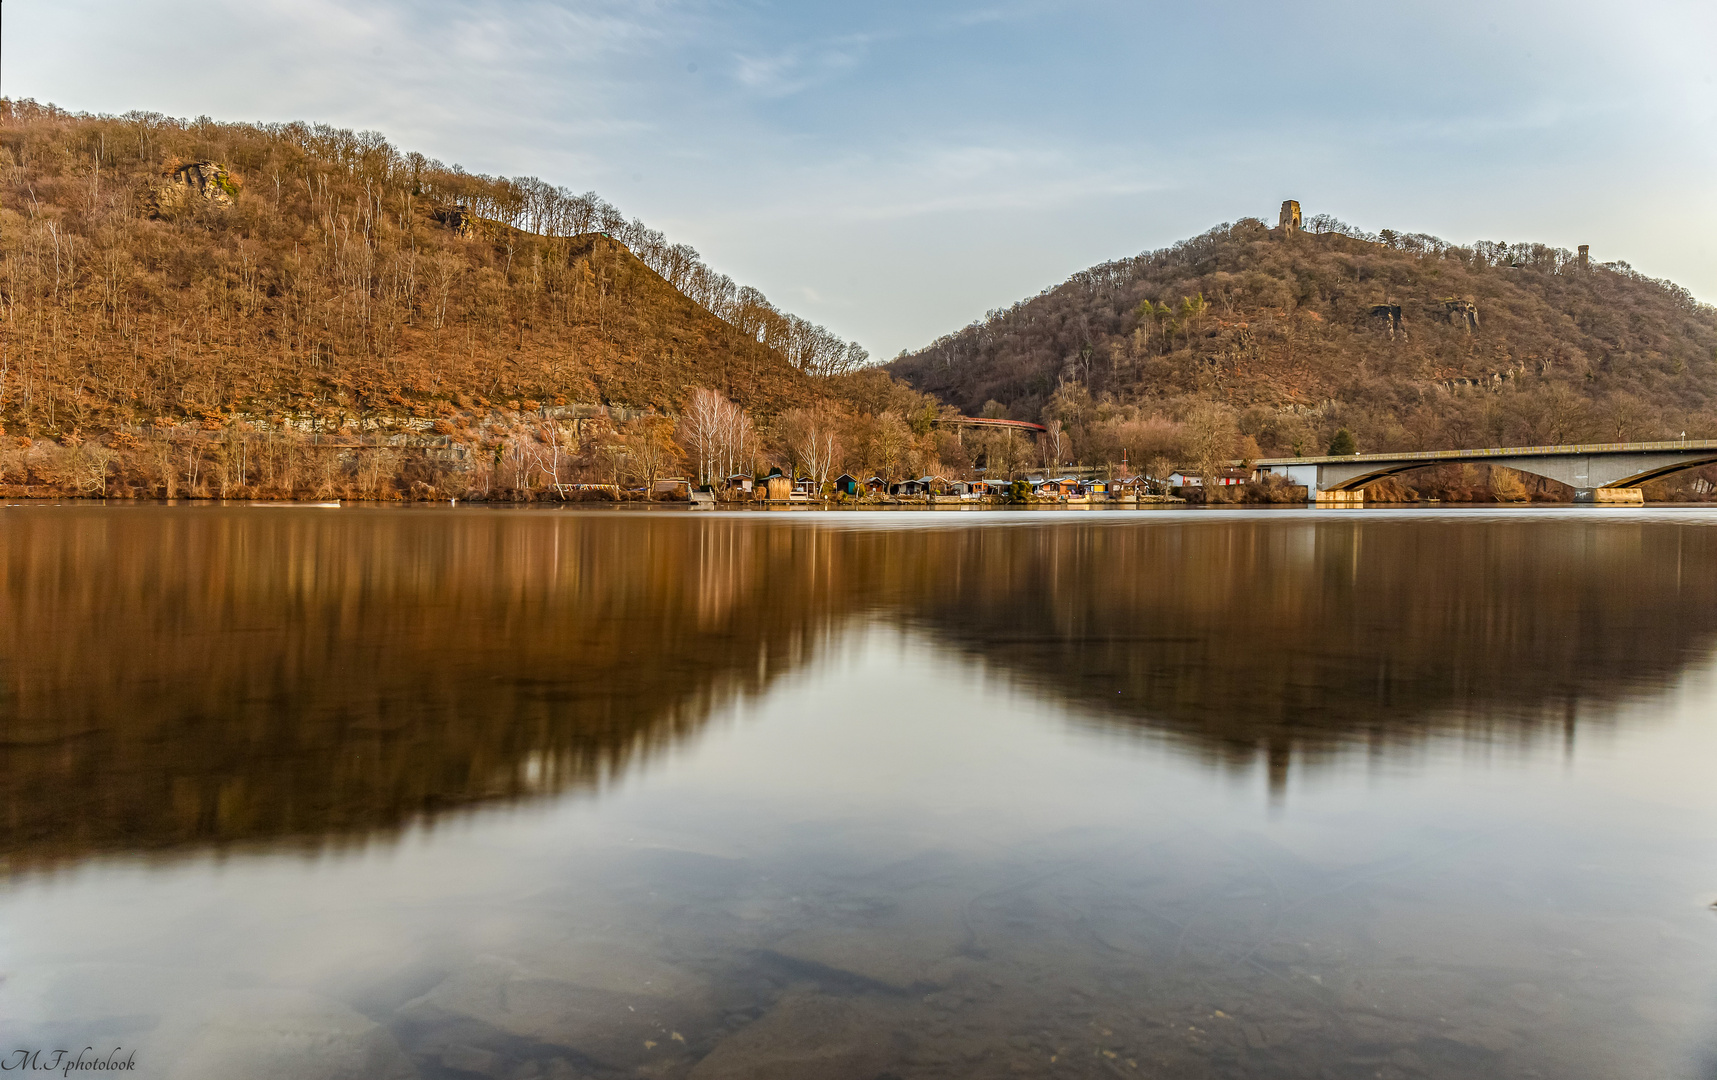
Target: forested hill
(1408, 341)
(153, 270)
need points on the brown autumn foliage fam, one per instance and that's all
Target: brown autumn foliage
(1406, 340)
(173, 292)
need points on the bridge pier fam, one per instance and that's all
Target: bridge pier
(1631, 496)
(1339, 498)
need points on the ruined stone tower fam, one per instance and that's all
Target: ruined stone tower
(1585, 256)
(1290, 219)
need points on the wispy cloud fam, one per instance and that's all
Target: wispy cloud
(799, 67)
(981, 177)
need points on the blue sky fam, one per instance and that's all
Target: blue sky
(892, 170)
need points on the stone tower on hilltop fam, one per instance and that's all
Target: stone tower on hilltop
(1290, 219)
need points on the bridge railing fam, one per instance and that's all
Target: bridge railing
(1498, 452)
(987, 421)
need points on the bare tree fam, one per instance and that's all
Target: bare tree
(376, 466)
(1054, 446)
(890, 442)
(550, 451)
(700, 432)
(1213, 436)
(650, 441)
(519, 453)
(1004, 452)
(717, 435)
(447, 269)
(820, 453)
(810, 435)
(739, 445)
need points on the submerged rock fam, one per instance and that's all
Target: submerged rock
(895, 959)
(620, 968)
(915, 944)
(635, 1013)
(284, 1034)
(810, 1035)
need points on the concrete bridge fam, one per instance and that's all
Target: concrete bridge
(1598, 472)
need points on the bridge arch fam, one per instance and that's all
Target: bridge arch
(1400, 468)
(1658, 473)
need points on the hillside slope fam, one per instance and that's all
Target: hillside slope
(153, 270)
(1408, 341)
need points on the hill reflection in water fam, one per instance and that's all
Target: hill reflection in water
(1295, 637)
(180, 677)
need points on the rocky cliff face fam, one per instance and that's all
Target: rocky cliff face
(188, 184)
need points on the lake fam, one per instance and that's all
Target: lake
(520, 793)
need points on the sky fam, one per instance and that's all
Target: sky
(894, 170)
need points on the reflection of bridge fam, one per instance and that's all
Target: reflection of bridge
(1022, 426)
(1598, 472)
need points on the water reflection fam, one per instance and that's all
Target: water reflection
(194, 676)
(878, 798)
(1299, 637)
(185, 677)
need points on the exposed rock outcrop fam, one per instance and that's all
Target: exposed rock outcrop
(456, 217)
(191, 183)
(1461, 312)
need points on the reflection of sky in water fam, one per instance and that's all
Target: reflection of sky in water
(550, 795)
(962, 866)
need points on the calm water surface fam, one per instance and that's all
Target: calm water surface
(295, 792)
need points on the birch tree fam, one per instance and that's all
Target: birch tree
(718, 435)
(700, 432)
(811, 438)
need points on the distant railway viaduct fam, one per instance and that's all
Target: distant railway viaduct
(1024, 427)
